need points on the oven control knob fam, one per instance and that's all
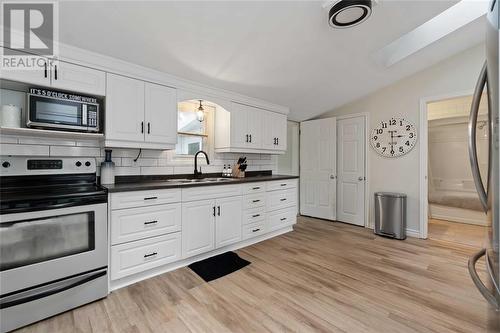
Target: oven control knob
(87, 164)
(6, 164)
(78, 164)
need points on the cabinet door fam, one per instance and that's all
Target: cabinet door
(228, 221)
(160, 114)
(239, 126)
(124, 108)
(268, 131)
(198, 227)
(78, 78)
(39, 76)
(254, 121)
(280, 126)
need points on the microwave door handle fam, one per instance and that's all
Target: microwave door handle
(45, 291)
(487, 294)
(476, 175)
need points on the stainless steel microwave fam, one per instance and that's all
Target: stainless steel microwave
(64, 111)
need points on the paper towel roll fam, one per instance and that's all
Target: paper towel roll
(10, 116)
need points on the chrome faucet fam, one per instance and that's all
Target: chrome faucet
(196, 172)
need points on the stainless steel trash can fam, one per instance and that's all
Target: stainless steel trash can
(390, 214)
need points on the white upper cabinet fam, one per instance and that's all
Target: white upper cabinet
(61, 75)
(78, 78)
(139, 114)
(161, 114)
(274, 131)
(39, 76)
(249, 129)
(124, 110)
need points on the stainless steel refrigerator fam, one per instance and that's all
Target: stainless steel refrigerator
(489, 193)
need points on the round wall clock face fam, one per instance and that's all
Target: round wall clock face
(394, 137)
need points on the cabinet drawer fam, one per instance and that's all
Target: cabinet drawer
(144, 198)
(138, 223)
(281, 184)
(281, 218)
(254, 215)
(281, 199)
(210, 192)
(253, 230)
(252, 188)
(138, 256)
(254, 201)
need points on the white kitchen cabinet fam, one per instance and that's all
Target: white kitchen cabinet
(198, 227)
(77, 78)
(39, 76)
(124, 109)
(140, 114)
(228, 221)
(160, 114)
(249, 129)
(274, 131)
(60, 75)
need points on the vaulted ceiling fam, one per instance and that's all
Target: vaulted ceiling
(280, 51)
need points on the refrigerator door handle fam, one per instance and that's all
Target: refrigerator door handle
(476, 175)
(490, 297)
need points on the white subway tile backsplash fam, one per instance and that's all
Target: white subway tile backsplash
(45, 141)
(88, 143)
(127, 171)
(128, 161)
(8, 139)
(74, 151)
(23, 150)
(157, 170)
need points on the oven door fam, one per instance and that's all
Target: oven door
(56, 113)
(43, 246)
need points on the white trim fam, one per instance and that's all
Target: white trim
(424, 152)
(123, 282)
(368, 222)
(413, 233)
(456, 214)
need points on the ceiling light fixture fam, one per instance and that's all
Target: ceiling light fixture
(200, 113)
(348, 13)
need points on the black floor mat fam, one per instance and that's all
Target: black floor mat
(218, 266)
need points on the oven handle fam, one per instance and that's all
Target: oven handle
(45, 291)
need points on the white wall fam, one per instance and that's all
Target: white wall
(288, 163)
(402, 99)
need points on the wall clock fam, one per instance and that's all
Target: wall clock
(394, 137)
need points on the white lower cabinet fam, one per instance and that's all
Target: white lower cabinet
(138, 256)
(228, 221)
(157, 227)
(198, 227)
(138, 223)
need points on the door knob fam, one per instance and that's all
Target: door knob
(332, 177)
(361, 178)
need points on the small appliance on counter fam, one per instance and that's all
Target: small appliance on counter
(58, 110)
(107, 169)
(10, 116)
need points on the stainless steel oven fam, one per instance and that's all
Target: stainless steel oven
(53, 238)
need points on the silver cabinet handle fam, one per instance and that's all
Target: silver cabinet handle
(477, 281)
(476, 175)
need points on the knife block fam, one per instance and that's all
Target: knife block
(237, 173)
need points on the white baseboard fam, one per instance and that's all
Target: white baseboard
(123, 282)
(457, 215)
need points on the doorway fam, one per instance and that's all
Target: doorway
(453, 210)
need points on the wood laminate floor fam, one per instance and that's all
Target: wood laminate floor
(466, 234)
(323, 277)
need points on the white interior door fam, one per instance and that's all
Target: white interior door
(351, 170)
(318, 168)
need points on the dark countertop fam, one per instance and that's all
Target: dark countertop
(140, 183)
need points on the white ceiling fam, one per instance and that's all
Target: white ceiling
(280, 51)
